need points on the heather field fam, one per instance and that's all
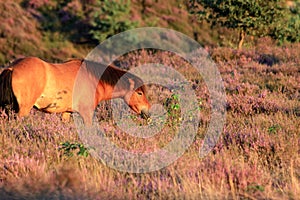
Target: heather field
(256, 157)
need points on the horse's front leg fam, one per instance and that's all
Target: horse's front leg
(66, 117)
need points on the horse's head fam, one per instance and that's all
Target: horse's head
(129, 87)
(137, 100)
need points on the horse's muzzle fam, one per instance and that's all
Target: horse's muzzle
(145, 114)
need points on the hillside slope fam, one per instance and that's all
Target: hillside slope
(22, 33)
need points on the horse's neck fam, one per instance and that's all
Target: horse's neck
(106, 92)
(113, 83)
(109, 86)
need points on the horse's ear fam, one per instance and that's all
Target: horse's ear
(131, 84)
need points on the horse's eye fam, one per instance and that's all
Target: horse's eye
(140, 93)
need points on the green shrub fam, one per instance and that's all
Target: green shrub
(110, 18)
(251, 17)
(289, 28)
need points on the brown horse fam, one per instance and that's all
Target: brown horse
(32, 82)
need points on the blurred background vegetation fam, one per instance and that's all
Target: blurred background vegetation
(257, 155)
(57, 30)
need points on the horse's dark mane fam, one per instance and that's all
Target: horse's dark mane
(113, 75)
(73, 60)
(15, 62)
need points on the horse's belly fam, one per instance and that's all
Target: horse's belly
(62, 103)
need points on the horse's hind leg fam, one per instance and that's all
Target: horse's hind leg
(25, 100)
(27, 89)
(66, 117)
(24, 110)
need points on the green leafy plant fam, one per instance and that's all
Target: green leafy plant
(256, 188)
(173, 109)
(69, 148)
(172, 103)
(274, 128)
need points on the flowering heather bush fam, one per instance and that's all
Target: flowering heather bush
(256, 157)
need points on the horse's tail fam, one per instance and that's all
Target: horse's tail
(8, 100)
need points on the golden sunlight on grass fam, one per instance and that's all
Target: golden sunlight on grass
(256, 157)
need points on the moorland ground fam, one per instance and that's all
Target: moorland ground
(256, 157)
(257, 154)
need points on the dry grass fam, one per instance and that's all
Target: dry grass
(257, 156)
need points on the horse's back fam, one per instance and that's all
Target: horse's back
(44, 85)
(58, 91)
